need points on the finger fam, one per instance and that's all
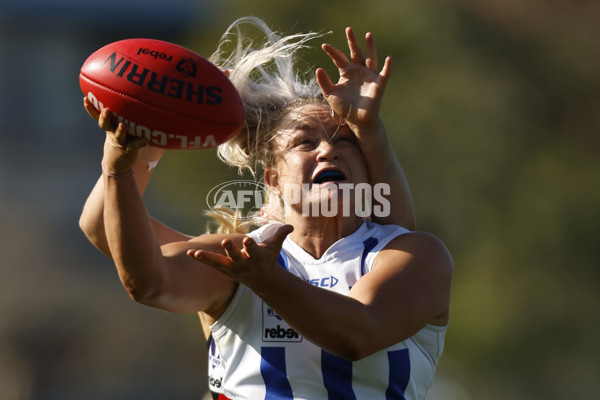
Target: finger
(276, 241)
(122, 137)
(356, 53)
(232, 250)
(386, 71)
(250, 247)
(227, 72)
(371, 60)
(339, 59)
(121, 133)
(89, 107)
(324, 81)
(105, 120)
(215, 260)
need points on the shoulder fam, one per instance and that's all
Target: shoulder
(423, 248)
(418, 240)
(374, 228)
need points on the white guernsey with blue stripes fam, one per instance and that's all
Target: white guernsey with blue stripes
(273, 361)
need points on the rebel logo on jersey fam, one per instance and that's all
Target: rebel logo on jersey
(275, 329)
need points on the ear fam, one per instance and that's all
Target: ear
(271, 178)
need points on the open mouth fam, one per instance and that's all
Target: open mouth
(329, 176)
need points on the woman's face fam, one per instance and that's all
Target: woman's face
(316, 155)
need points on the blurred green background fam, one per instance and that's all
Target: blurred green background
(493, 110)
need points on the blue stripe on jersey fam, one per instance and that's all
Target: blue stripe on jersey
(283, 261)
(369, 244)
(274, 374)
(337, 377)
(399, 362)
(212, 345)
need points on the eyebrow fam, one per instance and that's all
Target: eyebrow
(309, 123)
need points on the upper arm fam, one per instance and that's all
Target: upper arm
(91, 220)
(189, 286)
(407, 287)
(165, 234)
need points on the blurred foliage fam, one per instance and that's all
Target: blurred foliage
(493, 110)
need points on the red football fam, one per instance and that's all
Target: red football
(168, 94)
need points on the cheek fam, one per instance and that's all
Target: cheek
(293, 166)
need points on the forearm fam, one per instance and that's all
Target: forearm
(91, 220)
(339, 324)
(130, 238)
(384, 168)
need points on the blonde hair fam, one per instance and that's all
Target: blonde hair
(268, 84)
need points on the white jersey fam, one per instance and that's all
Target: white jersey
(262, 357)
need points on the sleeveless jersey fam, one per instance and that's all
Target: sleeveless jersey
(216, 370)
(262, 357)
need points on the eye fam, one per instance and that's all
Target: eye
(345, 137)
(306, 142)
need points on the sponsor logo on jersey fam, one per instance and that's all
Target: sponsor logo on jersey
(275, 329)
(215, 361)
(215, 384)
(327, 282)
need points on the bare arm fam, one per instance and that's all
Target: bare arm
(408, 287)
(357, 97)
(154, 275)
(384, 167)
(91, 220)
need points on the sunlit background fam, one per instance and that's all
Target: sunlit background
(493, 109)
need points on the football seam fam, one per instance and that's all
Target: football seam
(150, 104)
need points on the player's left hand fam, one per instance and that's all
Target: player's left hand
(357, 94)
(249, 265)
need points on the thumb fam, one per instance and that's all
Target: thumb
(276, 241)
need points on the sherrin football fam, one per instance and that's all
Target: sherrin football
(167, 94)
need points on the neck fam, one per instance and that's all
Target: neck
(316, 234)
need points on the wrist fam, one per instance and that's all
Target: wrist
(371, 137)
(265, 287)
(117, 175)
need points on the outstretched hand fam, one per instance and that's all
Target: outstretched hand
(357, 94)
(250, 264)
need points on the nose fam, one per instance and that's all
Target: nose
(326, 151)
